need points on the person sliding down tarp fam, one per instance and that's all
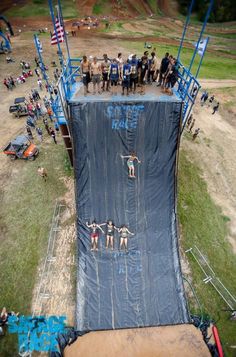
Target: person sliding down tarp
(142, 286)
(66, 339)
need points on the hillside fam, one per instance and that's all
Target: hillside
(117, 8)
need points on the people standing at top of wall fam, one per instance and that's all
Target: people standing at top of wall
(125, 74)
(163, 68)
(120, 62)
(105, 69)
(143, 70)
(96, 71)
(85, 72)
(114, 75)
(134, 73)
(152, 68)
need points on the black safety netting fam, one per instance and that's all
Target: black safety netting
(142, 286)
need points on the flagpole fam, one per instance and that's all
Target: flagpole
(185, 29)
(45, 77)
(201, 33)
(63, 25)
(55, 30)
(200, 63)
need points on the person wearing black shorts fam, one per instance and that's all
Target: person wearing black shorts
(134, 74)
(105, 69)
(126, 71)
(114, 74)
(143, 68)
(85, 72)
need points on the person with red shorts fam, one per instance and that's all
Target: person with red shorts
(94, 234)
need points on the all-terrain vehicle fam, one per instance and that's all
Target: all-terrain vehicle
(19, 108)
(22, 148)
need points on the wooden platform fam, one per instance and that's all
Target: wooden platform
(167, 341)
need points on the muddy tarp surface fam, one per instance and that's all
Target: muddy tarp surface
(142, 286)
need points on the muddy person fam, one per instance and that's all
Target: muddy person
(189, 120)
(125, 75)
(134, 74)
(124, 234)
(94, 234)
(143, 69)
(96, 71)
(114, 75)
(39, 133)
(197, 131)
(120, 62)
(29, 133)
(110, 232)
(85, 72)
(152, 68)
(163, 69)
(42, 172)
(105, 70)
(53, 134)
(215, 108)
(130, 163)
(192, 125)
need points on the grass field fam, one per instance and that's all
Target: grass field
(214, 66)
(26, 212)
(204, 225)
(40, 8)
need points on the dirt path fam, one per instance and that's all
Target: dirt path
(217, 83)
(214, 151)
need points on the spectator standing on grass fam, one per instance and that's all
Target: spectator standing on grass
(40, 134)
(215, 108)
(29, 132)
(189, 120)
(37, 72)
(42, 172)
(45, 122)
(5, 82)
(197, 131)
(192, 125)
(53, 134)
(40, 84)
(50, 113)
(211, 99)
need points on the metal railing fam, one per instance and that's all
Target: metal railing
(210, 277)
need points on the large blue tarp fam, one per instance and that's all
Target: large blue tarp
(143, 286)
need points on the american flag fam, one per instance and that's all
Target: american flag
(60, 33)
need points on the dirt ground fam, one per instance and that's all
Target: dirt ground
(214, 151)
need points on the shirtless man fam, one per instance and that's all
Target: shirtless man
(94, 234)
(110, 230)
(85, 73)
(105, 70)
(130, 163)
(96, 71)
(124, 234)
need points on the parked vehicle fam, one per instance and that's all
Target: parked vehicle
(19, 108)
(22, 148)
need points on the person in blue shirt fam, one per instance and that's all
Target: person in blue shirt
(125, 74)
(134, 74)
(114, 75)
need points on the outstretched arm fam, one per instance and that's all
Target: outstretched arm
(136, 158)
(132, 234)
(88, 225)
(98, 225)
(116, 228)
(125, 157)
